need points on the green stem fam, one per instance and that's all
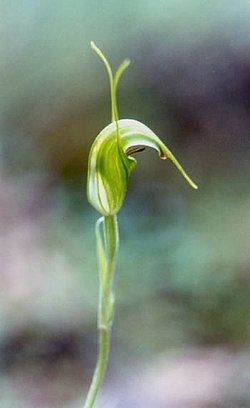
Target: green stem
(106, 301)
(104, 343)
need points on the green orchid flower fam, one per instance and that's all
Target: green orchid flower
(110, 160)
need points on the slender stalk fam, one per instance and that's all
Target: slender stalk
(104, 344)
(107, 246)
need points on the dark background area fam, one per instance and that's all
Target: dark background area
(182, 324)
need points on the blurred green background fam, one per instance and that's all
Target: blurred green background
(182, 326)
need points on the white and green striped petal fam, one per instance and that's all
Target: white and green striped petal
(110, 162)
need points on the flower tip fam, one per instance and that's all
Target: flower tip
(127, 62)
(192, 184)
(163, 156)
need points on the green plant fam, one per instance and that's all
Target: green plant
(110, 163)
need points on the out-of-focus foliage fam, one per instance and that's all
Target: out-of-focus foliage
(183, 277)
